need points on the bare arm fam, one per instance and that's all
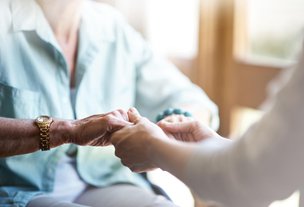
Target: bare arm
(22, 136)
(262, 166)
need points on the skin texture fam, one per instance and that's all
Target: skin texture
(96, 130)
(22, 136)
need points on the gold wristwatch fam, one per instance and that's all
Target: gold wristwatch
(44, 123)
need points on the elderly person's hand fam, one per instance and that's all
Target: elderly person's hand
(96, 130)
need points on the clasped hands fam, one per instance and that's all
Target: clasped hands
(135, 137)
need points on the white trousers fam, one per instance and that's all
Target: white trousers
(122, 195)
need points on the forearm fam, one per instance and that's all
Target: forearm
(263, 165)
(175, 156)
(22, 136)
(171, 156)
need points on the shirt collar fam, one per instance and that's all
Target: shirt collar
(24, 14)
(28, 16)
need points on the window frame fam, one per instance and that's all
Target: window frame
(229, 79)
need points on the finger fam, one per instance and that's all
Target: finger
(182, 118)
(134, 115)
(176, 118)
(122, 114)
(181, 127)
(171, 119)
(114, 124)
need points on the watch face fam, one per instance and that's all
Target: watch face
(42, 119)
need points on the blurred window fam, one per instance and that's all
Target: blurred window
(276, 28)
(172, 27)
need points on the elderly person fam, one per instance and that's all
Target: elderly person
(68, 60)
(264, 165)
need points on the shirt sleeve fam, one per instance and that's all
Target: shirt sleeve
(265, 164)
(160, 84)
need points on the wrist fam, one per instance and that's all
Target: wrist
(60, 133)
(172, 111)
(170, 155)
(156, 152)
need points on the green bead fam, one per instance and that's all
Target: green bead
(187, 114)
(177, 111)
(159, 117)
(168, 112)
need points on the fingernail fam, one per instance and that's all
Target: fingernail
(133, 110)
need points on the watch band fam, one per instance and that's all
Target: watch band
(44, 123)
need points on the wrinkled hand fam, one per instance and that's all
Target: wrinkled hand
(187, 129)
(96, 130)
(133, 142)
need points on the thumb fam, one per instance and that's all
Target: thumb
(177, 127)
(134, 115)
(115, 124)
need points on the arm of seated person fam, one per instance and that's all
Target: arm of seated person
(19, 136)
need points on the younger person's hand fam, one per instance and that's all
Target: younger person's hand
(133, 143)
(187, 129)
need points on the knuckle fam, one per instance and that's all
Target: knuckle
(108, 118)
(115, 113)
(121, 111)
